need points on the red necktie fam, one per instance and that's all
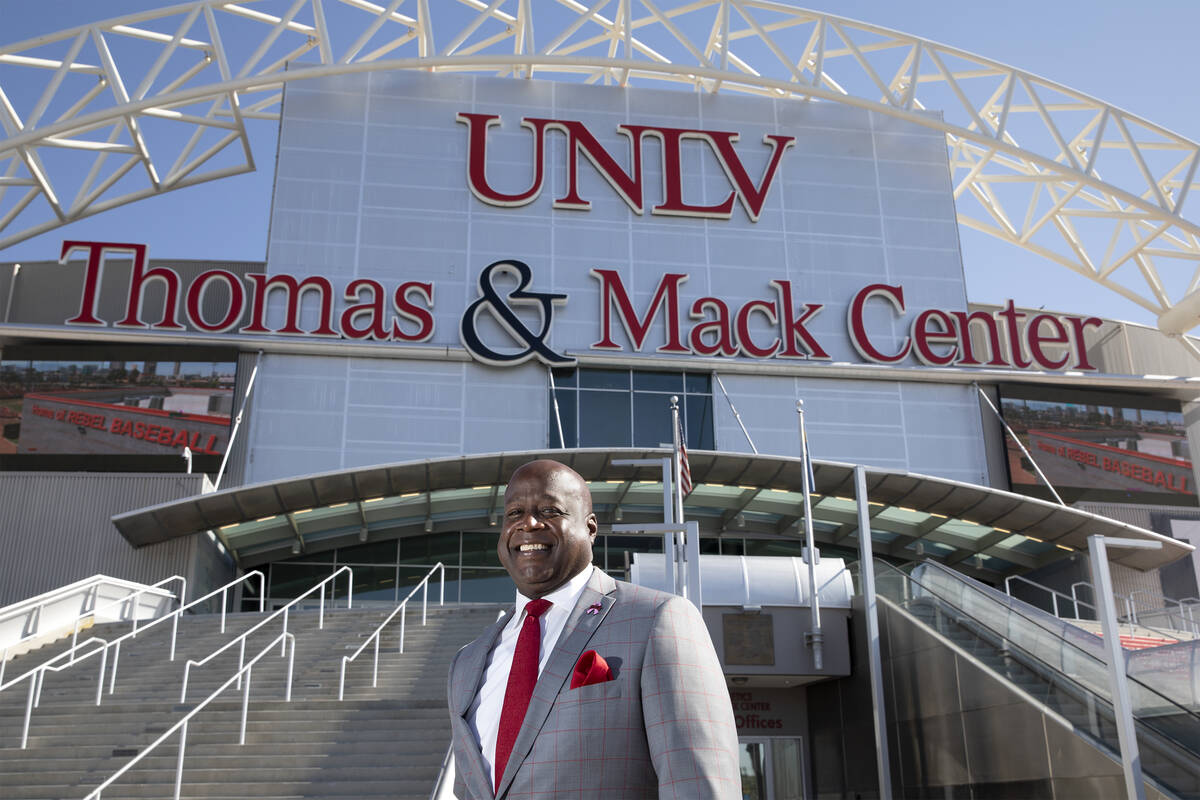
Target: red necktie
(521, 679)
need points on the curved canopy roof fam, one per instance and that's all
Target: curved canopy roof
(982, 530)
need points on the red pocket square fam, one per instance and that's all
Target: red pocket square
(590, 668)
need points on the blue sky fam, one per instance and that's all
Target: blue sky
(1140, 57)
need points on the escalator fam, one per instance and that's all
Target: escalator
(1051, 666)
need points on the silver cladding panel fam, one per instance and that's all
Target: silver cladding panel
(371, 182)
(58, 531)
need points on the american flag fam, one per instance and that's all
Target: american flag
(685, 471)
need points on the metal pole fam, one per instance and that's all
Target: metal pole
(1038, 469)
(1131, 763)
(866, 571)
(562, 442)
(237, 421)
(811, 556)
(736, 415)
(680, 538)
(695, 593)
(12, 289)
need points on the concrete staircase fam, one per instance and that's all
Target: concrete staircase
(381, 742)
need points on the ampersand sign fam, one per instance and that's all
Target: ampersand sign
(490, 299)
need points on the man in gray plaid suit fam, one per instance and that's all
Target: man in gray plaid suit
(588, 687)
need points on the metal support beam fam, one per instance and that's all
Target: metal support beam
(1131, 762)
(866, 571)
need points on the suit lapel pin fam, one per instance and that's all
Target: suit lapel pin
(593, 609)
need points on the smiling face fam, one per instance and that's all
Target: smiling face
(548, 527)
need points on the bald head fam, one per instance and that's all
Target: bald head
(548, 527)
(554, 473)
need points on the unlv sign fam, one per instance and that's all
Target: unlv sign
(628, 184)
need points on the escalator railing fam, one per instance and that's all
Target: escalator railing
(1065, 677)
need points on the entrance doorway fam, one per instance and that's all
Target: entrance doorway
(772, 768)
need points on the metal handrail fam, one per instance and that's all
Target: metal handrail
(182, 725)
(1130, 613)
(177, 613)
(182, 596)
(37, 676)
(400, 609)
(1084, 654)
(174, 615)
(187, 669)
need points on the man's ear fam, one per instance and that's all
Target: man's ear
(592, 525)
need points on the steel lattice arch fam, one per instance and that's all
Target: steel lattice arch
(109, 113)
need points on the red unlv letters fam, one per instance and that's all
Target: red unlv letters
(626, 184)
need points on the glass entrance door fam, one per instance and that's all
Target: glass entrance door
(771, 768)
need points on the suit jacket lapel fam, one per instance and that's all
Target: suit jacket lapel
(576, 634)
(470, 668)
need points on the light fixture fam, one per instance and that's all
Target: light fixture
(920, 548)
(296, 548)
(428, 524)
(362, 534)
(492, 519)
(740, 520)
(618, 514)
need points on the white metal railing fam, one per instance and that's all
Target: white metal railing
(182, 597)
(401, 610)
(96, 583)
(1130, 618)
(181, 727)
(443, 787)
(241, 640)
(177, 613)
(83, 594)
(37, 675)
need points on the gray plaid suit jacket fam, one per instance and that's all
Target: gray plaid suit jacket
(663, 728)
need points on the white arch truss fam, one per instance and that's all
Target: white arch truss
(109, 113)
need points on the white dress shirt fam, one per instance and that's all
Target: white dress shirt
(484, 715)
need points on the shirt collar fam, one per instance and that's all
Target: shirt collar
(564, 596)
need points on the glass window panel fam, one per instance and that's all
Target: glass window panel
(288, 581)
(411, 576)
(371, 583)
(430, 548)
(698, 383)
(773, 547)
(787, 764)
(634, 544)
(658, 381)
(709, 547)
(700, 423)
(566, 377)
(651, 420)
(604, 420)
(604, 379)
(323, 557)
(486, 586)
(567, 400)
(732, 547)
(370, 553)
(752, 765)
(479, 549)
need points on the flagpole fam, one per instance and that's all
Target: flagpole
(680, 572)
(811, 554)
